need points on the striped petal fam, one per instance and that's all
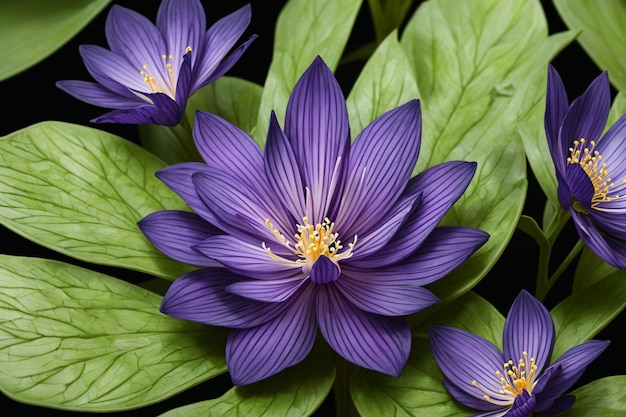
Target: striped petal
(97, 95)
(605, 247)
(556, 108)
(164, 111)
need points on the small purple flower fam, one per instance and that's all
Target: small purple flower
(151, 70)
(591, 172)
(312, 233)
(520, 381)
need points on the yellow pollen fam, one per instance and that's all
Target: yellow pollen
(311, 242)
(165, 86)
(591, 162)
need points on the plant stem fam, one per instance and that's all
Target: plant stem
(344, 407)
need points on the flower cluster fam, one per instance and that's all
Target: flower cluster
(151, 70)
(518, 381)
(312, 233)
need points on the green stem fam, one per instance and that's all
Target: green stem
(543, 287)
(344, 407)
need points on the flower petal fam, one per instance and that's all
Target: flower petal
(133, 36)
(272, 291)
(608, 249)
(464, 357)
(175, 233)
(324, 271)
(246, 259)
(282, 171)
(440, 187)
(365, 339)
(473, 402)
(387, 299)
(164, 111)
(445, 249)
(200, 296)
(182, 24)
(528, 328)
(587, 115)
(97, 95)
(523, 405)
(573, 363)
(556, 109)
(217, 41)
(228, 62)
(381, 161)
(112, 71)
(260, 352)
(316, 124)
(579, 185)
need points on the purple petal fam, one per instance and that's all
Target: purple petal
(260, 352)
(610, 222)
(476, 403)
(317, 127)
(557, 407)
(226, 147)
(112, 71)
(528, 328)
(497, 413)
(387, 299)
(556, 109)
(464, 357)
(97, 95)
(564, 194)
(445, 249)
(218, 40)
(228, 62)
(178, 179)
(606, 248)
(272, 291)
(324, 271)
(587, 115)
(175, 232)
(523, 405)
(440, 187)
(164, 111)
(241, 210)
(133, 36)
(365, 339)
(282, 171)
(573, 363)
(612, 147)
(579, 185)
(184, 82)
(183, 24)
(200, 296)
(381, 161)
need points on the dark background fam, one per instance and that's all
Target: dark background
(31, 97)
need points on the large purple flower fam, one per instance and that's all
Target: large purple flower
(591, 172)
(520, 381)
(312, 233)
(151, 70)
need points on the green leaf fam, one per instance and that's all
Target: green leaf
(480, 66)
(602, 33)
(32, 30)
(419, 391)
(604, 397)
(617, 109)
(385, 82)
(75, 339)
(591, 269)
(305, 29)
(296, 391)
(233, 99)
(582, 315)
(81, 191)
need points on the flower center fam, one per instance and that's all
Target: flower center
(591, 162)
(168, 86)
(515, 379)
(312, 241)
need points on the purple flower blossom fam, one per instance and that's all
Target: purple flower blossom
(591, 172)
(520, 381)
(151, 70)
(312, 233)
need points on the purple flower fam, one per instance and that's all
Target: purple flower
(312, 233)
(520, 381)
(151, 70)
(591, 172)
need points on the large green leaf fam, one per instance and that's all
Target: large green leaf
(75, 339)
(297, 392)
(81, 191)
(604, 397)
(582, 315)
(591, 269)
(305, 29)
(480, 67)
(32, 30)
(231, 98)
(602, 33)
(385, 82)
(419, 391)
